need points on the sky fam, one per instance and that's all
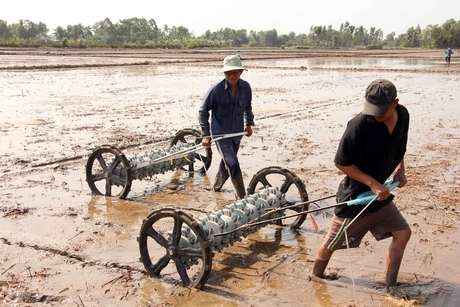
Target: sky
(197, 16)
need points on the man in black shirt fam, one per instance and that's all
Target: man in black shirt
(371, 149)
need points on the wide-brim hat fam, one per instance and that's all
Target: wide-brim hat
(379, 96)
(232, 62)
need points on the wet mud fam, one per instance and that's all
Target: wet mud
(62, 246)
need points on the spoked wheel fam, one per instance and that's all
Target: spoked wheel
(173, 246)
(108, 172)
(289, 184)
(203, 157)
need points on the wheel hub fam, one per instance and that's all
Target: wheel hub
(172, 252)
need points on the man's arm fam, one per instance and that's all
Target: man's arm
(203, 118)
(400, 174)
(355, 173)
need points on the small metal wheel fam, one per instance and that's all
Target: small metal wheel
(108, 172)
(203, 157)
(289, 184)
(175, 245)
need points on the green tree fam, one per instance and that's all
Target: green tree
(255, 39)
(390, 39)
(29, 30)
(105, 33)
(450, 31)
(360, 36)
(412, 38)
(60, 33)
(4, 31)
(270, 38)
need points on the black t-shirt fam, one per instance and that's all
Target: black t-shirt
(368, 144)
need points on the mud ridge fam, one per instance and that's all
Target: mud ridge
(67, 66)
(85, 261)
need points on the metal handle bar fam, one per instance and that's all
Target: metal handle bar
(366, 197)
(188, 150)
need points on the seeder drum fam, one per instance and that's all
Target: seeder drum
(110, 173)
(178, 248)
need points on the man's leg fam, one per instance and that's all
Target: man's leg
(228, 150)
(395, 255)
(321, 261)
(221, 177)
(335, 239)
(238, 183)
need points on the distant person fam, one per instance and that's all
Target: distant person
(448, 53)
(371, 149)
(229, 102)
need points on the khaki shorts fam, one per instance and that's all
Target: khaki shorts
(380, 224)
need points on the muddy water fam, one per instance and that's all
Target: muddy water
(59, 240)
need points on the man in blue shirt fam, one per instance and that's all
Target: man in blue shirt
(229, 102)
(448, 53)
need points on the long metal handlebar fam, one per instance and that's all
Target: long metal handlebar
(188, 150)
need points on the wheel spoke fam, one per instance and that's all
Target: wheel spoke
(160, 265)
(108, 187)
(118, 180)
(264, 182)
(182, 270)
(285, 186)
(101, 161)
(114, 165)
(177, 231)
(152, 233)
(97, 177)
(200, 158)
(191, 252)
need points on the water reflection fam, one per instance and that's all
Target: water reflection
(361, 63)
(116, 211)
(323, 298)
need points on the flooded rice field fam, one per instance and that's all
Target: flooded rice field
(60, 245)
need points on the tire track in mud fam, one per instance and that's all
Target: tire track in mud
(316, 106)
(76, 257)
(71, 66)
(78, 157)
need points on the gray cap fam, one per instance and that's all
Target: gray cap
(379, 96)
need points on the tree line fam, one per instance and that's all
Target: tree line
(143, 33)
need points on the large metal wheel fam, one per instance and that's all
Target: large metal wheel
(108, 172)
(203, 157)
(175, 247)
(289, 184)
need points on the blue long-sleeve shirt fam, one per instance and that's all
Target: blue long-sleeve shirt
(226, 116)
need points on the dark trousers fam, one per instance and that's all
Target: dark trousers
(229, 151)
